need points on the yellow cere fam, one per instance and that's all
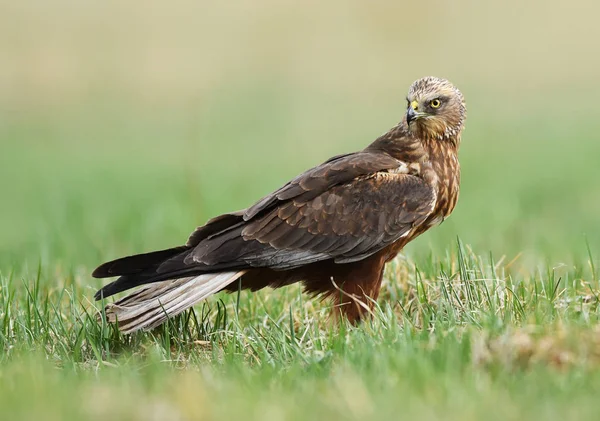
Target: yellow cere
(414, 105)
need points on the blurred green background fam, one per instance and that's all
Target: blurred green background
(126, 123)
(123, 124)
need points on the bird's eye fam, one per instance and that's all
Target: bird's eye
(435, 103)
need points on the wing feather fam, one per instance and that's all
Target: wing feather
(383, 210)
(345, 209)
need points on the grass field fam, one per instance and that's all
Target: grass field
(122, 128)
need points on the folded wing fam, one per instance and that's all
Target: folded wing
(346, 209)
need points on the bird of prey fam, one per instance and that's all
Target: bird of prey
(333, 227)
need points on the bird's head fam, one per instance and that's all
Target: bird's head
(436, 109)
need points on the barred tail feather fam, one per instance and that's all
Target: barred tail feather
(153, 304)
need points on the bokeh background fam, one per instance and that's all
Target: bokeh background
(123, 124)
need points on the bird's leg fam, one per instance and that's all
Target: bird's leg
(355, 296)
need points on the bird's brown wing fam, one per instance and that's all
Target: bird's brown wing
(337, 170)
(345, 209)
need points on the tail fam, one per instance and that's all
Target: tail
(140, 269)
(153, 304)
(170, 286)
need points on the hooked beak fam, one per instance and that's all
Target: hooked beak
(412, 113)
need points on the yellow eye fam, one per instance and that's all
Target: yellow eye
(435, 103)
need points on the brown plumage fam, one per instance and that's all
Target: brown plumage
(332, 228)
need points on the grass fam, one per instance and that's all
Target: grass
(123, 127)
(459, 337)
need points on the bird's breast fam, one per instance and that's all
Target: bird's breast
(447, 169)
